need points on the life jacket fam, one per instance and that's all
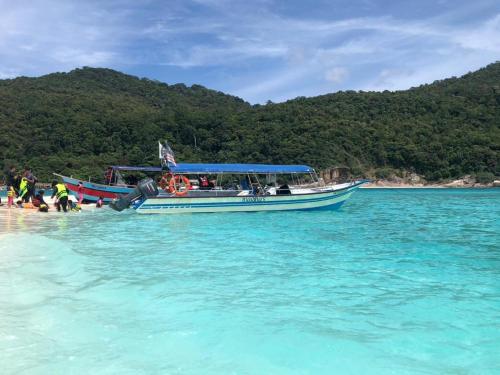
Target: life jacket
(23, 187)
(11, 192)
(204, 182)
(61, 191)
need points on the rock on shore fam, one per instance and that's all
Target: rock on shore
(413, 182)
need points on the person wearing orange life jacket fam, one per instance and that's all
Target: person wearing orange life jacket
(204, 184)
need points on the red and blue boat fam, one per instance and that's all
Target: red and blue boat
(114, 185)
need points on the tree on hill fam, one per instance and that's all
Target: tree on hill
(80, 122)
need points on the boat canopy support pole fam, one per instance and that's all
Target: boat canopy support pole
(316, 178)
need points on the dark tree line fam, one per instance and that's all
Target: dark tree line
(80, 122)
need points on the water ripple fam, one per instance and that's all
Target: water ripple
(397, 281)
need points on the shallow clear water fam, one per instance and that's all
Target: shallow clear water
(397, 281)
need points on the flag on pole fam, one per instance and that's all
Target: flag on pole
(166, 155)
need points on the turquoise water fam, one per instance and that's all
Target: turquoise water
(397, 281)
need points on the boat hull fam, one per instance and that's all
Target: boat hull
(92, 191)
(331, 199)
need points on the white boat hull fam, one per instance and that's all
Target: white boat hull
(327, 198)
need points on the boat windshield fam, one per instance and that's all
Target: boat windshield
(221, 179)
(226, 184)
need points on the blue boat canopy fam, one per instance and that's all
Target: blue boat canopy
(197, 168)
(239, 168)
(135, 169)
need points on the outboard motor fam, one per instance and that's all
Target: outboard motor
(145, 189)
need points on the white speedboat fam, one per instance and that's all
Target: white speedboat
(192, 188)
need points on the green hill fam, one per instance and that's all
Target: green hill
(79, 122)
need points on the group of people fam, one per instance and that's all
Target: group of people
(22, 193)
(21, 186)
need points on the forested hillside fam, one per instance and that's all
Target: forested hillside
(79, 122)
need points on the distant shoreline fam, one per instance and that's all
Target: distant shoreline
(459, 184)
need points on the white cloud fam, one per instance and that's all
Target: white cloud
(336, 75)
(82, 57)
(266, 54)
(485, 37)
(199, 56)
(50, 35)
(259, 87)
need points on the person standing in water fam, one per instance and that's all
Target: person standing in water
(11, 177)
(23, 190)
(28, 182)
(11, 193)
(99, 202)
(38, 201)
(10, 182)
(80, 193)
(61, 192)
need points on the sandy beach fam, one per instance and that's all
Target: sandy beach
(14, 218)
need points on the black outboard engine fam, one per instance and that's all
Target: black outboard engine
(145, 189)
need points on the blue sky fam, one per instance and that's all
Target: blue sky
(258, 50)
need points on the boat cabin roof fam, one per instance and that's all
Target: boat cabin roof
(135, 169)
(198, 168)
